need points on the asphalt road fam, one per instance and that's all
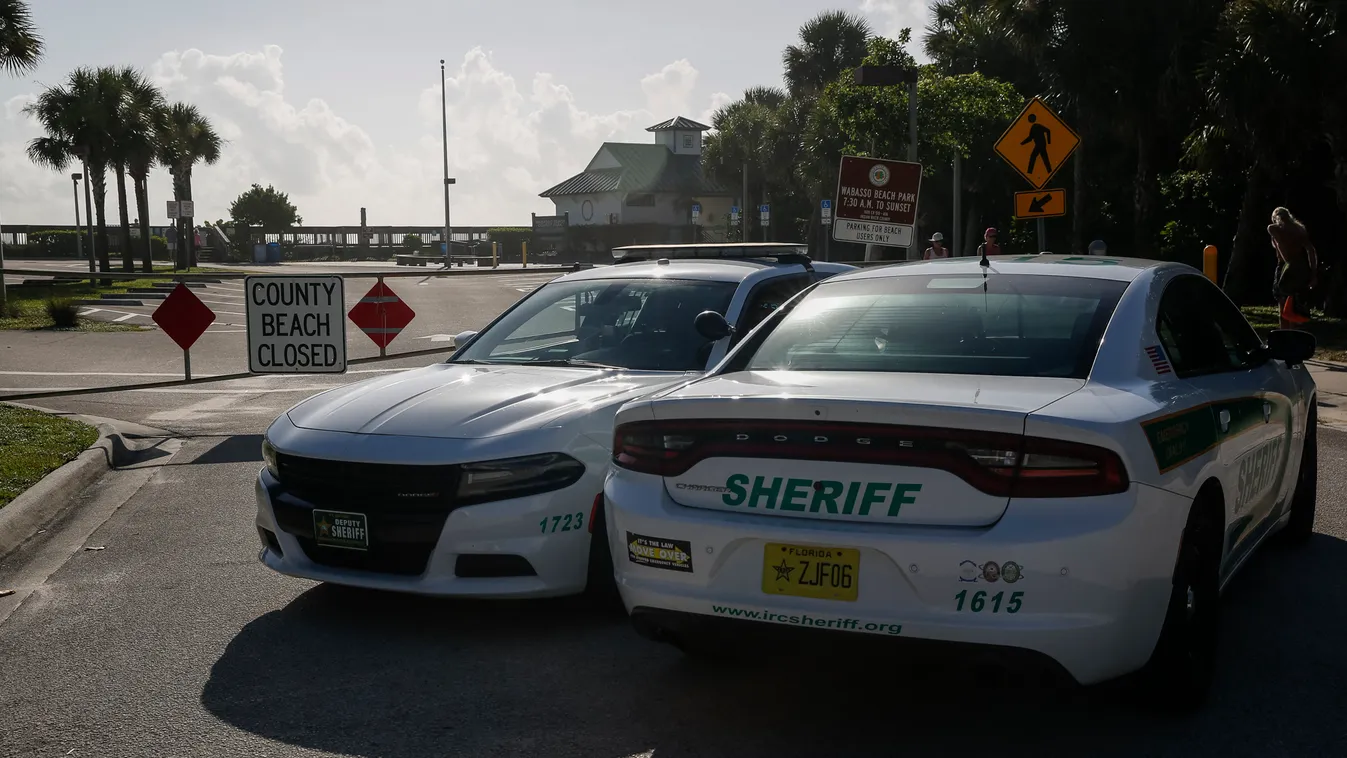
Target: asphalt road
(172, 640)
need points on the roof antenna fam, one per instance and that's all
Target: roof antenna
(984, 263)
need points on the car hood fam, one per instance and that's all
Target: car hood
(472, 402)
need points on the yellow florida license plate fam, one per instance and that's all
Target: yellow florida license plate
(826, 573)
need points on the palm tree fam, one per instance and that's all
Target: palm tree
(188, 139)
(830, 43)
(141, 125)
(20, 44)
(77, 120)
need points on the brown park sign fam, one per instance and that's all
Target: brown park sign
(876, 201)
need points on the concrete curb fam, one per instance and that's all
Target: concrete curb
(56, 493)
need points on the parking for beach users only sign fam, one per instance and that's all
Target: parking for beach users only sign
(876, 201)
(296, 324)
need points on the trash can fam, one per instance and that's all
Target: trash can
(273, 252)
(259, 253)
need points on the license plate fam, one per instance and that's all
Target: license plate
(825, 573)
(341, 529)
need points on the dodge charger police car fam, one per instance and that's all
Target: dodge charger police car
(1064, 456)
(481, 475)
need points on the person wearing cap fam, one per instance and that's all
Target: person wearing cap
(989, 246)
(1097, 248)
(937, 248)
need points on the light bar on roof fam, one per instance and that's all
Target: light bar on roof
(728, 250)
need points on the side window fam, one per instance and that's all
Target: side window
(1202, 331)
(765, 298)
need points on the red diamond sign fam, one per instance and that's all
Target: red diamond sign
(183, 316)
(381, 314)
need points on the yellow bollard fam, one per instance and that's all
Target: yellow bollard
(526, 253)
(495, 261)
(1209, 262)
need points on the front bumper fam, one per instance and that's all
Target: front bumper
(1093, 587)
(463, 554)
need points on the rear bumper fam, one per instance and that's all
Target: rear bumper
(1094, 575)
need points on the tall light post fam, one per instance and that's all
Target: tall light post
(79, 227)
(444, 127)
(890, 76)
(88, 209)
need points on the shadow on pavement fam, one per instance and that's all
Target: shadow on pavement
(369, 674)
(240, 448)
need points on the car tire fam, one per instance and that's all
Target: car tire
(1179, 673)
(1300, 526)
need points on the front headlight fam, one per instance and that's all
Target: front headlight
(269, 456)
(517, 477)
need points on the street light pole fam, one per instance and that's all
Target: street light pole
(88, 210)
(79, 237)
(444, 127)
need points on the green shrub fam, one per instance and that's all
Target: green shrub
(63, 312)
(511, 239)
(63, 243)
(412, 242)
(12, 309)
(159, 248)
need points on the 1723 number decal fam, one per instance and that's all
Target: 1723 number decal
(568, 523)
(979, 602)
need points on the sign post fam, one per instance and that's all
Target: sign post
(766, 211)
(1036, 145)
(184, 318)
(736, 221)
(826, 209)
(877, 201)
(381, 315)
(296, 324)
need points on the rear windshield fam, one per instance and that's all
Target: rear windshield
(1002, 325)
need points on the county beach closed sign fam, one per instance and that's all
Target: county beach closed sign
(296, 324)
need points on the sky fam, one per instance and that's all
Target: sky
(338, 103)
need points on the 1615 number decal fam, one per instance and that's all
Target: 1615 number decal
(979, 602)
(568, 523)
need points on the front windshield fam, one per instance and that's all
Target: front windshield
(643, 324)
(1005, 325)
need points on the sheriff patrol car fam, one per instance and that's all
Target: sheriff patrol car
(1067, 456)
(481, 475)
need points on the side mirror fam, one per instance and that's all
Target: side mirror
(1290, 345)
(712, 326)
(462, 338)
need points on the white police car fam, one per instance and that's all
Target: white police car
(482, 475)
(1064, 456)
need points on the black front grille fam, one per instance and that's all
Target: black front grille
(346, 480)
(405, 559)
(492, 566)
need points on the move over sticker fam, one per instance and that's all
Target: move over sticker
(674, 555)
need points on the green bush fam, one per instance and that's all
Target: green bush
(63, 312)
(511, 239)
(412, 242)
(12, 309)
(159, 248)
(62, 243)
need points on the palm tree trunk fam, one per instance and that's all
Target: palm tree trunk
(100, 186)
(128, 254)
(143, 211)
(1248, 259)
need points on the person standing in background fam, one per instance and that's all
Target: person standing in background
(989, 246)
(937, 248)
(1298, 264)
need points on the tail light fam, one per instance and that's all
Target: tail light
(594, 511)
(1005, 465)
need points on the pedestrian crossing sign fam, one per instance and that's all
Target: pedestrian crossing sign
(1037, 143)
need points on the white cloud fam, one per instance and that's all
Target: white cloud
(509, 139)
(892, 16)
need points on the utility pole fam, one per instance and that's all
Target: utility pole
(890, 76)
(957, 232)
(79, 237)
(743, 208)
(444, 126)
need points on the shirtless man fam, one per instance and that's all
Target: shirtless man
(1298, 263)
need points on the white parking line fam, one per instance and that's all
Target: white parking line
(128, 316)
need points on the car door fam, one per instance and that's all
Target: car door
(1211, 345)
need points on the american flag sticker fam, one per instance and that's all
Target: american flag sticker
(1158, 360)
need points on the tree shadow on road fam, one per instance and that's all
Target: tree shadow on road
(373, 674)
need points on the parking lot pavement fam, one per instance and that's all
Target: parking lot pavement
(173, 640)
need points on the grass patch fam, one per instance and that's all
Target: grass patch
(1330, 334)
(28, 306)
(34, 444)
